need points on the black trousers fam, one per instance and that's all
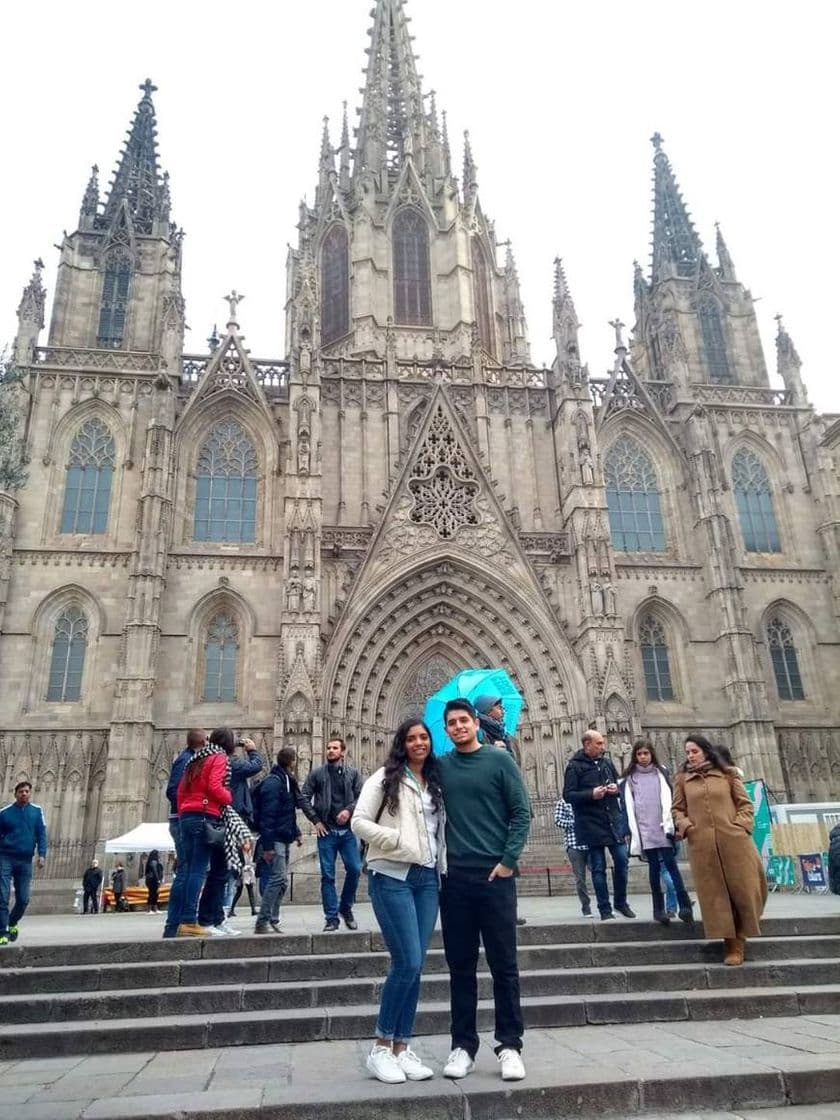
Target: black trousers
(472, 909)
(656, 859)
(90, 903)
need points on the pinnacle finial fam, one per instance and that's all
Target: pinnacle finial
(148, 88)
(725, 262)
(618, 327)
(657, 140)
(233, 300)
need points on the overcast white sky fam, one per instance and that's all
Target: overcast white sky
(560, 100)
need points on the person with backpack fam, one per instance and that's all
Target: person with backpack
(153, 879)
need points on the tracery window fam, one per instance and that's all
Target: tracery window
(442, 483)
(481, 297)
(221, 655)
(113, 306)
(67, 661)
(412, 284)
(655, 661)
(785, 661)
(714, 342)
(633, 499)
(226, 487)
(335, 285)
(754, 501)
(87, 487)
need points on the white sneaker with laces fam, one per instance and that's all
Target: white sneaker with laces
(384, 1066)
(513, 1068)
(228, 929)
(458, 1064)
(412, 1067)
(214, 931)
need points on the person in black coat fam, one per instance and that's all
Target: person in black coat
(153, 878)
(118, 885)
(591, 788)
(91, 882)
(834, 859)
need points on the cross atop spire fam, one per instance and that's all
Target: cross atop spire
(677, 249)
(137, 178)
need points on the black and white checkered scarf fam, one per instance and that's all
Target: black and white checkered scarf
(237, 833)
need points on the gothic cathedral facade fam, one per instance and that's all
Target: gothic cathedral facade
(317, 542)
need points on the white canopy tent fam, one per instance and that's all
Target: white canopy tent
(144, 838)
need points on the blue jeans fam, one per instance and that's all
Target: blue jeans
(670, 892)
(275, 889)
(661, 861)
(406, 911)
(339, 842)
(196, 862)
(598, 870)
(17, 869)
(176, 891)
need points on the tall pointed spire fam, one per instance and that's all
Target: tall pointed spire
(789, 365)
(137, 178)
(326, 164)
(726, 266)
(447, 151)
(469, 185)
(566, 324)
(518, 349)
(677, 249)
(393, 122)
(90, 202)
(344, 150)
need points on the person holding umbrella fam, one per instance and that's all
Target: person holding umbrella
(490, 709)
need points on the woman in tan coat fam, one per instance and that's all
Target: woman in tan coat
(714, 814)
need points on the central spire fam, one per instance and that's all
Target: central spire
(393, 121)
(137, 179)
(677, 250)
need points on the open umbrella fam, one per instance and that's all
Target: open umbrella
(469, 684)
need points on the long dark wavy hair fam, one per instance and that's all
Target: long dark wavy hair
(397, 761)
(219, 737)
(710, 752)
(641, 745)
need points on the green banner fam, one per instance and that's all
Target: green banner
(762, 822)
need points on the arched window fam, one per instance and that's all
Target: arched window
(714, 342)
(87, 487)
(412, 286)
(481, 298)
(785, 661)
(335, 285)
(226, 487)
(754, 502)
(633, 499)
(221, 654)
(67, 662)
(657, 668)
(114, 303)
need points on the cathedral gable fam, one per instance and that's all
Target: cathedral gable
(229, 371)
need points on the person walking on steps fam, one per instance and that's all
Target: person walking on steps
(647, 801)
(713, 812)
(564, 817)
(399, 815)
(333, 790)
(591, 787)
(91, 885)
(23, 830)
(488, 817)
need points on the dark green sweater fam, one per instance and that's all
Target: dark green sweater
(488, 813)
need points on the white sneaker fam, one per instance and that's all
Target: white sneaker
(228, 929)
(412, 1067)
(214, 931)
(513, 1068)
(384, 1066)
(458, 1064)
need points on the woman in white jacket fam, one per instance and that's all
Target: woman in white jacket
(399, 815)
(647, 802)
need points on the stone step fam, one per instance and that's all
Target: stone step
(231, 961)
(211, 1027)
(118, 1003)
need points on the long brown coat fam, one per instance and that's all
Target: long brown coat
(714, 813)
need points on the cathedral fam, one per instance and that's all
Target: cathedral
(314, 543)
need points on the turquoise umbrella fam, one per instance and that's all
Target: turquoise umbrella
(469, 684)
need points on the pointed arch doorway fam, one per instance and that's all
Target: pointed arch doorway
(426, 676)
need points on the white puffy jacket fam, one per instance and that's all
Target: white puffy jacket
(401, 837)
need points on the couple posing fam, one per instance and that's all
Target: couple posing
(446, 829)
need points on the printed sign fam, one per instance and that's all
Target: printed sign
(781, 871)
(813, 871)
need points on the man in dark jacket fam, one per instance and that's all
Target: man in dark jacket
(276, 801)
(196, 739)
(118, 885)
(834, 859)
(22, 830)
(91, 882)
(591, 788)
(245, 763)
(333, 790)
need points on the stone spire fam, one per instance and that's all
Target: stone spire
(725, 266)
(393, 123)
(566, 322)
(137, 179)
(469, 185)
(447, 151)
(31, 307)
(789, 366)
(344, 153)
(90, 202)
(517, 347)
(326, 164)
(677, 250)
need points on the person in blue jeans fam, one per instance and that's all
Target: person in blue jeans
(196, 738)
(22, 831)
(399, 815)
(333, 790)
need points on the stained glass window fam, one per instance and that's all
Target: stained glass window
(68, 655)
(633, 499)
(657, 668)
(481, 296)
(226, 487)
(714, 342)
(754, 501)
(785, 661)
(221, 652)
(114, 303)
(335, 285)
(87, 487)
(412, 287)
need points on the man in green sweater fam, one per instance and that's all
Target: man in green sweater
(488, 816)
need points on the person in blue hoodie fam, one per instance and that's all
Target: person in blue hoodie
(22, 830)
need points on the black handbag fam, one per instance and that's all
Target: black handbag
(214, 834)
